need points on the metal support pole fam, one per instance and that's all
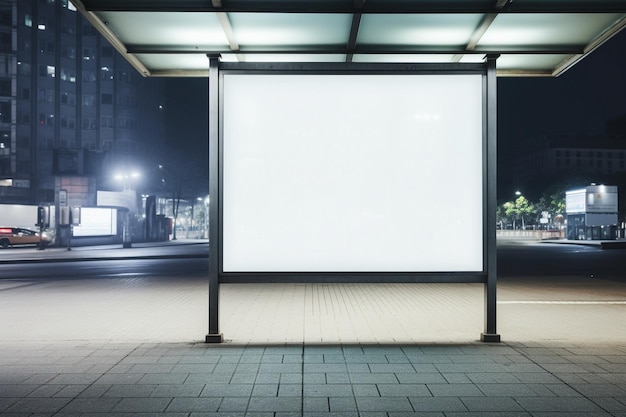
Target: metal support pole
(490, 334)
(214, 335)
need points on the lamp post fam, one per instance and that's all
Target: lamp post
(518, 194)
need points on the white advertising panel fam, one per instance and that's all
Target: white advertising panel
(352, 173)
(575, 201)
(96, 221)
(602, 199)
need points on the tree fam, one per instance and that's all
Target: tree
(521, 209)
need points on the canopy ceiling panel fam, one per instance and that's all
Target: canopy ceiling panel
(532, 37)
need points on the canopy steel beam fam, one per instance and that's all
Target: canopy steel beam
(382, 50)
(415, 7)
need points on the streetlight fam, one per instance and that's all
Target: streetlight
(126, 177)
(519, 194)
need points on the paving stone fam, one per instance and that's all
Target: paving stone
(383, 404)
(403, 390)
(91, 405)
(327, 390)
(190, 405)
(342, 404)
(233, 390)
(368, 378)
(137, 391)
(230, 404)
(440, 404)
(492, 404)
(177, 390)
(37, 405)
(275, 404)
(142, 405)
(454, 390)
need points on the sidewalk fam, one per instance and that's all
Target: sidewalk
(132, 347)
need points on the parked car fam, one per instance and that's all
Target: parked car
(11, 236)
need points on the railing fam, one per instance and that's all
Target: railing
(530, 234)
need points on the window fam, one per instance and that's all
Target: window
(89, 100)
(24, 69)
(126, 100)
(68, 29)
(89, 123)
(68, 122)
(125, 123)
(26, 93)
(89, 30)
(47, 71)
(5, 87)
(68, 98)
(28, 20)
(89, 54)
(126, 77)
(107, 98)
(46, 47)
(89, 76)
(106, 121)
(68, 75)
(107, 51)
(106, 74)
(69, 52)
(66, 4)
(46, 95)
(5, 112)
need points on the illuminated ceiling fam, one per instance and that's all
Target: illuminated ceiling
(532, 37)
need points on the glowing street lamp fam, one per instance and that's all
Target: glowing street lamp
(126, 178)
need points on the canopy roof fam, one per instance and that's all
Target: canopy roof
(532, 37)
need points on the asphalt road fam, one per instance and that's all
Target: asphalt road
(533, 259)
(123, 268)
(515, 259)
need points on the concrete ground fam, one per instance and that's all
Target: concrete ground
(132, 346)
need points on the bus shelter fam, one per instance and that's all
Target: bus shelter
(353, 140)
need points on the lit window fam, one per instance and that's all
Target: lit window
(28, 21)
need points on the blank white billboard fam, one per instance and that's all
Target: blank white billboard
(96, 221)
(352, 173)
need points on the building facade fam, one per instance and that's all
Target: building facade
(73, 112)
(600, 157)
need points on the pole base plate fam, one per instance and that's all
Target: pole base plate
(489, 338)
(214, 338)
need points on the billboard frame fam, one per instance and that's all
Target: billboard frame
(487, 276)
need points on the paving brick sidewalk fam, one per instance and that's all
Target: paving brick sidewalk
(185, 379)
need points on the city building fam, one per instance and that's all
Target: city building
(597, 158)
(73, 112)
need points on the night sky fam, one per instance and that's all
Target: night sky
(580, 101)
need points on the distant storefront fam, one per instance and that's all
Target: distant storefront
(592, 213)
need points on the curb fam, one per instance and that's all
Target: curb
(93, 258)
